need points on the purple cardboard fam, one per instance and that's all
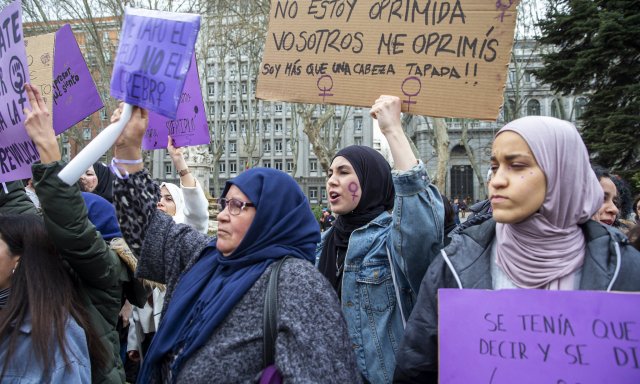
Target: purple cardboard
(75, 95)
(17, 151)
(537, 336)
(153, 59)
(190, 126)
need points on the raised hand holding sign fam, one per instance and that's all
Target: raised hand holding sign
(150, 71)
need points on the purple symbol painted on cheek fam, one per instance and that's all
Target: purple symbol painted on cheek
(353, 188)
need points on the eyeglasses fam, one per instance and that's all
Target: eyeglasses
(235, 206)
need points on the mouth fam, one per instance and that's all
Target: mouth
(607, 221)
(334, 197)
(498, 198)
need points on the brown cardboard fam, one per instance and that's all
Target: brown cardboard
(449, 78)
(40, 59)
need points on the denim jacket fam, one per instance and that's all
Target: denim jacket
(413, 236)
(24, 368)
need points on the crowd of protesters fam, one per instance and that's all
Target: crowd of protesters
(355, 300)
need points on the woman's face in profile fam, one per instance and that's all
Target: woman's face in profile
(89, 180)
(166, 203)
(518, 186)
(343, 186)
(608, 210)
(233, 228)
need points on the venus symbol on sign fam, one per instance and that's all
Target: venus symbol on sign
(326, 87)
(410, 95)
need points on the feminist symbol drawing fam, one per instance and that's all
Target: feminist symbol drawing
(500, 6)
(353, 188)
(410, 95)
(17, 78)
(325, 89)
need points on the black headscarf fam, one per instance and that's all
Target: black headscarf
(105, 181)
(374, 175)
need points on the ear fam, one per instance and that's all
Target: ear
(16, 258)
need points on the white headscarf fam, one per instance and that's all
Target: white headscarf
(178, 199)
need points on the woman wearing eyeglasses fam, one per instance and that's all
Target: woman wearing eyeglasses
(212, 323)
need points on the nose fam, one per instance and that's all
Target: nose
(224, 214)
(159, 204)
(611, 208)
(332, 180)
(498, 180)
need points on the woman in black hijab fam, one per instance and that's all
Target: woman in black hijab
(98, 179)
(389, 227)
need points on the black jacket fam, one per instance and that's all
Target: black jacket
(469, 253)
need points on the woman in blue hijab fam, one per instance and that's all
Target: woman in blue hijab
(211, 329)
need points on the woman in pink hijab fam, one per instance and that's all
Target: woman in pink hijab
(543, 194)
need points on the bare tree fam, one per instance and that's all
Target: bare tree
(441, 136)
(472, 159)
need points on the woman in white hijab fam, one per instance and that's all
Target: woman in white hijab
(186, 204)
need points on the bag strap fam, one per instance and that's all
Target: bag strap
(270, 319)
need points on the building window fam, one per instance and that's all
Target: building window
(266, 163)
(233, 167)
(278, 108)
(266, 146)
(233, 128)
(289, 166)
(313, 193)
(357, 140)
(86, 133)
(533, 108)
(243, 87)
(323, 194)
(357, 124)
(244, 69)
(211, 89)
(313, 165)
(222, 167)
(278, 146)
(267, 127)
(510, 112)
(211, 70)
(278, 129)
(103, 114)
(167, 169)
(581, 105)
(278, 165)
(233, 108)
(212, 109)
(556, 109)
(233, 148)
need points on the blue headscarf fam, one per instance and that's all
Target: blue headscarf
(102, 215)
(206, 293)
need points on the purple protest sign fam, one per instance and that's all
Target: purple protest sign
(75, 95)
(538, 336)
(153, 59)
(190, 126)
(17, 151)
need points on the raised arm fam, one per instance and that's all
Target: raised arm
(163, 247)
(418, 217)
(64, 211)
(196, 205)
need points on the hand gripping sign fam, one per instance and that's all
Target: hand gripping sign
(150, 69)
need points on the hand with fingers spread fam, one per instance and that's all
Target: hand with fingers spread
(39, 126)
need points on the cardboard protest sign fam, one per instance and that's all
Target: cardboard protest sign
(153, 59)
(190, 126)
(62, 76)
(538, 336)
(444, 58)
(40, 59)
(17, 151)
(75, 95)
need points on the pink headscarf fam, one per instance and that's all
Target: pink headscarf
(545, 250)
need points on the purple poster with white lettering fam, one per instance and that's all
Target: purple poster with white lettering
(190, 125)
(17, 151)
(75, 95)
(153, 59)
(538, 336)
